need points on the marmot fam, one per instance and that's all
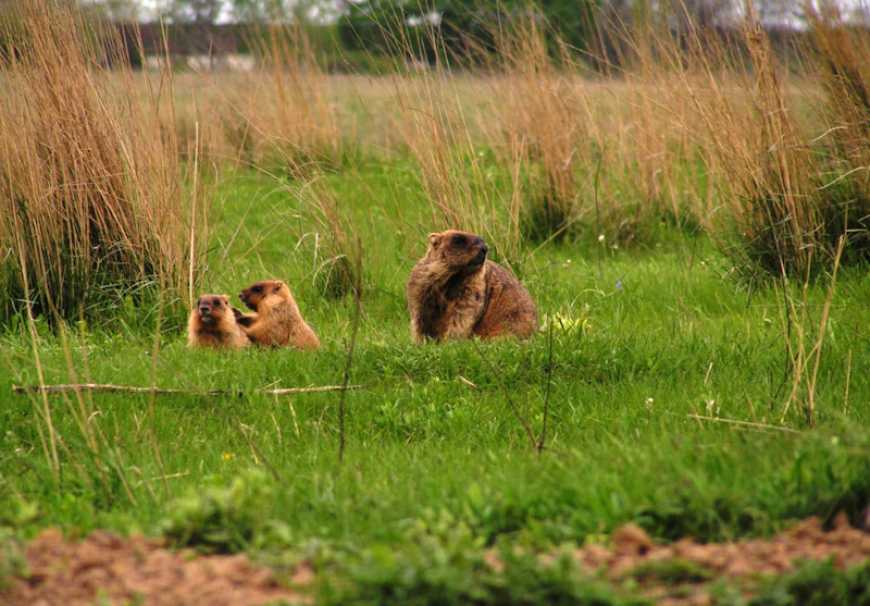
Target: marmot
(454, 292)
(277, 321)
(213, 323)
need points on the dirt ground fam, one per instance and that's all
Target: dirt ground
(141, 571)
(105, 568)
(847, 546)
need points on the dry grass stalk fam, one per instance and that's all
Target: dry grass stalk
(541, 114)
(805, 349)
(91, 194)
(441, 130)
(658, 146)
(842, 52)
(288, 107)
(109, 388)
(762, 167)
(845, 72)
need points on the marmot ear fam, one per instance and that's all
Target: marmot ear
(434, 239)
(277, 287)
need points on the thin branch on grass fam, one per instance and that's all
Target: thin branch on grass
(109, 388)
(171, 476)
(467, 382)
(357, 303)
(543, 437)
(743, 423)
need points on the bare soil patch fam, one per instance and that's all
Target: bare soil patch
(678, 574)
(141, 571)
(144, 571)
(808, 540)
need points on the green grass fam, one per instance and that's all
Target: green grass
(647, 337)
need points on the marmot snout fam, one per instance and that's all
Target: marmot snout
(460, 252)
(212, 323)
(455, 292)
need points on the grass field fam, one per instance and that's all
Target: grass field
(667, 403)
(695, 235)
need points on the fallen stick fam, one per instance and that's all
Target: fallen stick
(108, 388)
(743, 423)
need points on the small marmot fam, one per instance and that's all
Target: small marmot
(454, 292)
(277, 320)
(213, 323)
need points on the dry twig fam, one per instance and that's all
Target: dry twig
(109, 388)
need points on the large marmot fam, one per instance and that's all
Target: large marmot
(277, 321)
(212, 323)
(454, 292)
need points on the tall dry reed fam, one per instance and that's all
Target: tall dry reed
(756, 154)
(440, 132)
(542, 116)
(840, 58)
(93, 201)
(288, 107)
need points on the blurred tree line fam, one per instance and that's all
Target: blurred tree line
(370, 35)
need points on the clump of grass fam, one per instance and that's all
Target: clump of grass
(762, 166)
(656, 152)
(541, 119)
(786, 199)
(465, 187)
(805, 338)
(291, 111)
(337, 272)
(437, 125)
(91, 202)
(845, 76)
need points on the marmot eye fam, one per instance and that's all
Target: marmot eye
(217, 302)
(459, 241)
(257, 289)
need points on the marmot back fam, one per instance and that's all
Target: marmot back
(212, 323)
(277, 321)
(455, 292)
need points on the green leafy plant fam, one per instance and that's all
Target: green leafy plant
(222, 519)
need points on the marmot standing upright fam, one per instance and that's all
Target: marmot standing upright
(212, 323)
(455, 292)
(277, 321)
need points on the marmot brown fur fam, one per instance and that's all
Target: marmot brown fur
(277, 321)
(212, 323)
(455, 292)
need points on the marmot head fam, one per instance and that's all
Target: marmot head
(458, 250)
(212, 308)
(255, 294)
